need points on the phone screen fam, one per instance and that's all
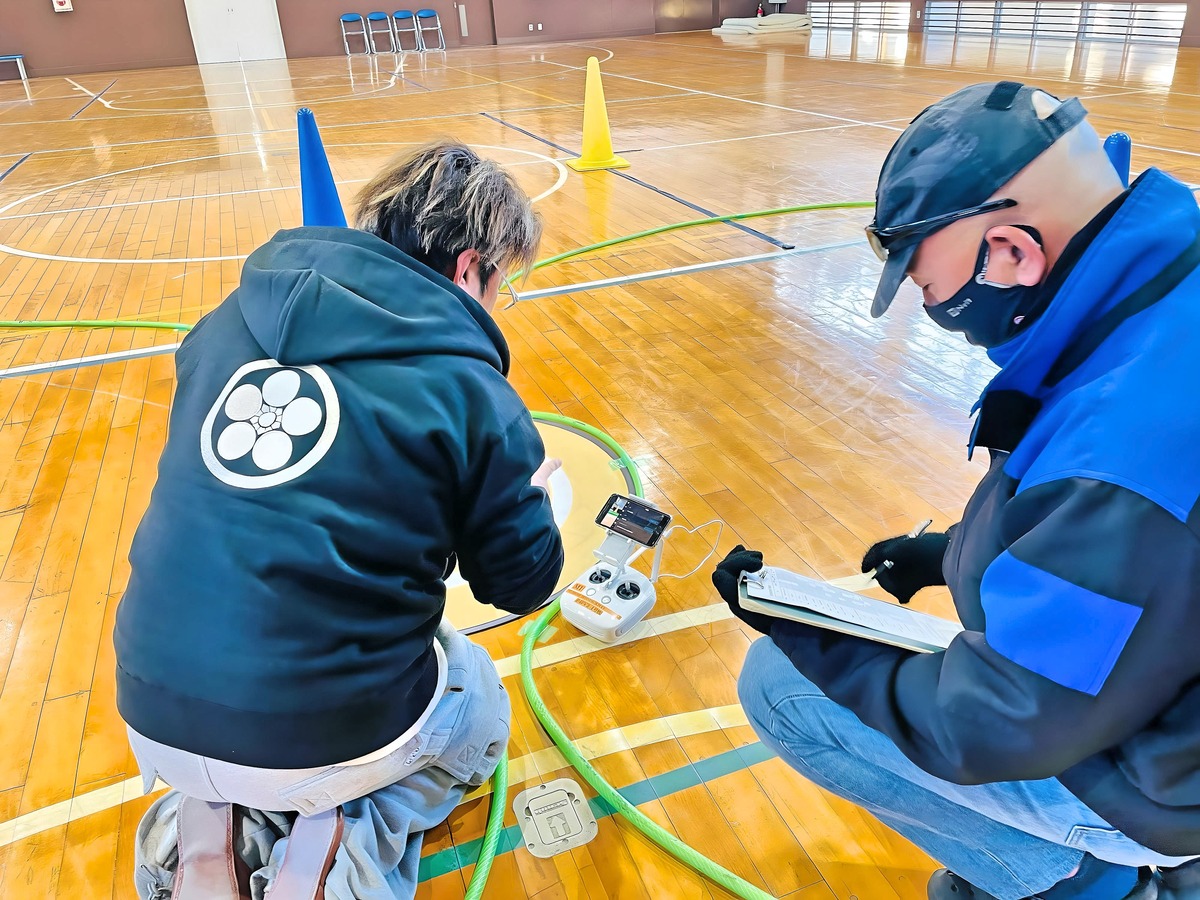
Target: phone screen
(633, 519)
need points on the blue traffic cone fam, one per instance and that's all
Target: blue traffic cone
(1119, 148)
(318, 193)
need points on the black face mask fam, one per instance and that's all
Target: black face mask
(987, 313)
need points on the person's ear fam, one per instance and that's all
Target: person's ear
(467, 260)
(1014, 256)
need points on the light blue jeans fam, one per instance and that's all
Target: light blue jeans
(1011, 839)
(388, 803)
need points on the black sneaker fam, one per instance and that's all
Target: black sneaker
(1180, 883)
(945, 885)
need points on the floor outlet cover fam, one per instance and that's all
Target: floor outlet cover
(554, 817)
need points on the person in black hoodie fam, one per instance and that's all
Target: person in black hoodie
(342, 435)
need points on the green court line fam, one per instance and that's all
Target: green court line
(454, 858)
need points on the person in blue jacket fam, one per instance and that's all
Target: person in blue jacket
(1053, 749)
(342, 436)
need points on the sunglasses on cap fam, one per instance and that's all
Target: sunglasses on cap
(882, 238)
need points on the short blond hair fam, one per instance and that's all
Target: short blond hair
(443, 199)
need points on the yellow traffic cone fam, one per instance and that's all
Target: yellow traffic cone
(597, 142)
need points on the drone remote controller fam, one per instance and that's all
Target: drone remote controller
(609, 598)
(605, 605)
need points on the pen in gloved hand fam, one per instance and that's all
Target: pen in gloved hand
(919, 529)
(867, 579)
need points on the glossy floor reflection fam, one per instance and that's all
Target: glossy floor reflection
(760, 393)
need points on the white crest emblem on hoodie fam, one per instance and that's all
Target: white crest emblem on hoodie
(270, 424)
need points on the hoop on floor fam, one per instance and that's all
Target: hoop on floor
(591, 472)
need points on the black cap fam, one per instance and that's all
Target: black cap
(955, 155)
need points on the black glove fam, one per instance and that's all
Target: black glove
(725, 580)
(916, 563)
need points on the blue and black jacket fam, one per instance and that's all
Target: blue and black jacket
(342, 428)
(1076, 567)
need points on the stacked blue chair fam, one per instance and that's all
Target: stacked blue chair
(423, 18)
(373, 19)
(405, 22)
(347, 33)
(19, 59)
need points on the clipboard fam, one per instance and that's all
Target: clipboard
(786, 595)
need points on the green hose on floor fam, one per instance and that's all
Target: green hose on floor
(491, 834)
(639, 820)
(94, 323)
(495, 822)
(540, 264)
(677, 226)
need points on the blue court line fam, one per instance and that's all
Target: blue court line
(94, 99)
(410, 81)
(454, 858)
(693, 206)
(13, 167)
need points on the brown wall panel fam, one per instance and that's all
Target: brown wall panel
(104, 35)
(739, 9)
(571, 19)
(1191, 25)
(684, 15)
(100, 35)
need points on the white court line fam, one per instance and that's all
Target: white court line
(135, 95)
(634, 277)
(807, 112)
(541, 763)
(121, 146)
(80, 87)
(152, 200)
(71, 209)
(161, 110)
(549, 654)
(115, 394)
(203, 86)
(1125, 93)
(967, 69)
(81, 361)
(158, 111)
(15, 251)
(1164, 149)
(31, 254)
(285, 80)
(251, 106)
(122, 355)
(38, 99)
(753, 137)
(69, 810)
(521, 769)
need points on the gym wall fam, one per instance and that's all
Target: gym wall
(571, 19)
(105, 35)
(580, 19)
(99, 36)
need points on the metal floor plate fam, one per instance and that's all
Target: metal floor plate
(554, 817)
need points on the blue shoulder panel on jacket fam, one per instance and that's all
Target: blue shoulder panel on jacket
(1057, 629)
(1123, 416)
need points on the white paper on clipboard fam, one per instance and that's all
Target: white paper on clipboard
(786, 595)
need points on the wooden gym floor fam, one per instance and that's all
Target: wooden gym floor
(761, 393)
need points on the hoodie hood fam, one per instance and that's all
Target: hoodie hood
(319, 295)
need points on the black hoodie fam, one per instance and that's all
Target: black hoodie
(341, 429)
